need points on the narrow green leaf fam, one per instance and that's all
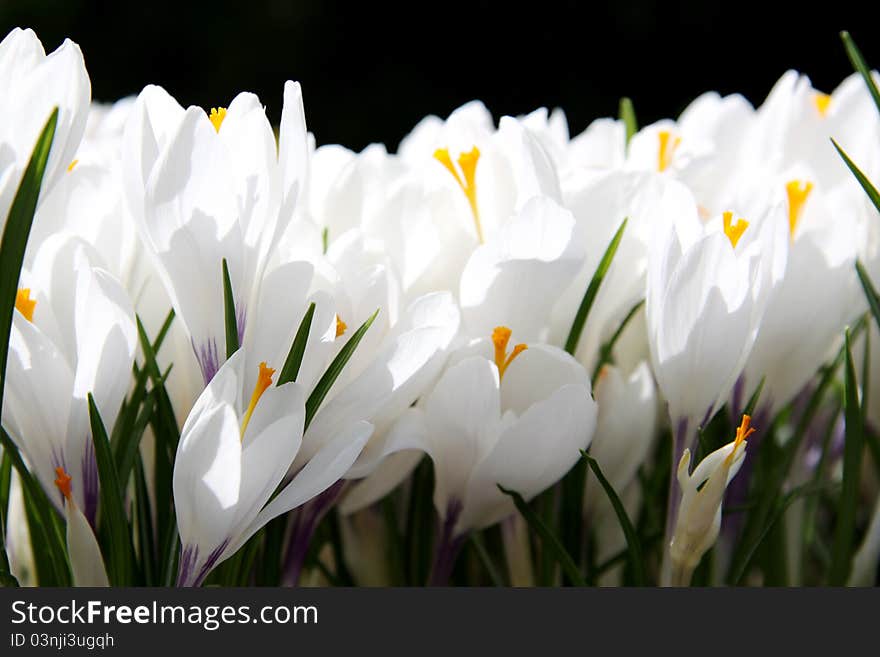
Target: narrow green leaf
(231, 319)
(636, 558)
(297, 348)
(6, 576)
(583, 311)
(16, 233)
(118, 551)
(170, 555)
(606, 351)
(43, 520)
(870, 292)
(866, 184)
(420, 526)
(858, 62)
(145, 534)
(841, 554)
(627, 114)
(167, 436)
(325, 240)
(335, 369)
(486, 559)
(780, 506)
(5, 487)
(128, 446)
(128, 416)
(549, 540)
(753, 400)
(756, 524)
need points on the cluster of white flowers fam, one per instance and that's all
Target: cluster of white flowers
(475, 243)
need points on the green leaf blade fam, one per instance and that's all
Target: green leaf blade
(16, 232)
(297, 348)
(627, 114)
(119, 553)
(859, 64)
(866, 184)
(583, 311)
(229, 315)
(549, 539)
(854, 443)
(335, 369)
(634, 545)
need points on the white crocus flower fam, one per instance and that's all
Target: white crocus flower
(819, 291)
(602, 146)
(498, 415)
(214, 191)
(235, 449)
(705, 300)
(699, 513)
(478, 177)
(518, 273)
(795, 123)
(86, 561)
(33, 84)
(600, 202)
(73, 333)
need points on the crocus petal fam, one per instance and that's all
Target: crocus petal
(86, 561)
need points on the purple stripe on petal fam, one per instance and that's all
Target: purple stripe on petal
(186, 566)
(208, 357)
(241, 319)
(736, 403)
(90, 483)
(447, 547)
(305, 520)
(210, 562)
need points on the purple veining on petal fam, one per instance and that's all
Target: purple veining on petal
(447, 546)
(305, 520)
(186, 566)
(210, 562)
(241, 319)
(90, 483)
(736, 401)
(208, 357)
(187, 575)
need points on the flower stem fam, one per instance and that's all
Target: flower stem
(447, 547)
(680, 440)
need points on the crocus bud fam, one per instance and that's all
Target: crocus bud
(699, 513)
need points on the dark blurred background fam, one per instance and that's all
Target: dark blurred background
(371, 70)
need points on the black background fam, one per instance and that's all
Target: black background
(371, 70)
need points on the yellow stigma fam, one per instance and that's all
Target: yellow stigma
(63, 482)
(798, 191)
(467, 180)
(72, 165)
(217, 115)
(742, 432)
(734, 230)
(822, 102)
(340, 327)
(500, 338)
(24, 304)
(264, 380)
(667, 149)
